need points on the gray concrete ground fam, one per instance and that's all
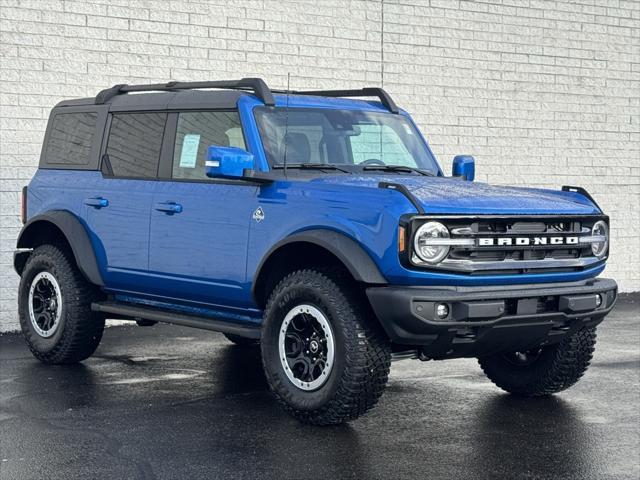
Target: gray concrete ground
(167, 402)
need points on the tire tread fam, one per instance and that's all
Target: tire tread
(367, 366)
(567, 363)
(82, 328)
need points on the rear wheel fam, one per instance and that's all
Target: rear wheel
(543, 370)
(54, 304)
(325, 358)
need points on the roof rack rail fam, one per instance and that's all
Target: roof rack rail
(384, 97)
(258, 86)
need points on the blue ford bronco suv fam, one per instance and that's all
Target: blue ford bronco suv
(314, 224)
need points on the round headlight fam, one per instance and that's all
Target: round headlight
(427, 242)
(600, 229)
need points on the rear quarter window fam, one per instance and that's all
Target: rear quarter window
(71, 138)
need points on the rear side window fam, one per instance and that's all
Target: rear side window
(196, 132)
(134, 144)
(71, 138)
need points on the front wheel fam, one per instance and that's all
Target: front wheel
(544, 370)
(325, 358)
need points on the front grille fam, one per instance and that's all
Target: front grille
(502, 229)
(515, 245)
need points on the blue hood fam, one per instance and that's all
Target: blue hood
(446, 195)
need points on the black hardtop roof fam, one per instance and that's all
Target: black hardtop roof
(188, 99)
(185, 95)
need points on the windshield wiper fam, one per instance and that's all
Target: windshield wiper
(398, 168)
(313, 166)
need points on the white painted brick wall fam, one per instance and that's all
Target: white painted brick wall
(542, 92)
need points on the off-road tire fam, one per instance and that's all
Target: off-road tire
(362, 351)
(241, 341)
(79, 330)
(557, 367)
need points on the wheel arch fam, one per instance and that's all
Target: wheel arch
(322, 245)
(54, 227)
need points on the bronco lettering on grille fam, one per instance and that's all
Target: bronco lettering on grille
(525, 241)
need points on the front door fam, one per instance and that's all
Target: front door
(199, 226)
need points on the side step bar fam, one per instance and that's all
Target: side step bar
(135, 312)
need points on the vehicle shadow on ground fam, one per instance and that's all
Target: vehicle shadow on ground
(242, 370)
(209, 413)
(523, 434)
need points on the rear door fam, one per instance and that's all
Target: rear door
(119, 205)
(200, 226)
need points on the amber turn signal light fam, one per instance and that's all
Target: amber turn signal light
(402, 237)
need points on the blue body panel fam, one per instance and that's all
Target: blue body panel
(200, 254)
(440, 196)
(205, 257)
(119, 232)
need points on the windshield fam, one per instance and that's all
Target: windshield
(358, 140)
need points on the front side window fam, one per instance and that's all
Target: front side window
(196, 132)
(347, 138)
(135, 141)
(71, 138)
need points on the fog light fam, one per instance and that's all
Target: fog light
(598, 300)
(442, 310)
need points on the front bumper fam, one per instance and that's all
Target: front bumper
(485, 320)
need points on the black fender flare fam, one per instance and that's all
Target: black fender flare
(348, 251)
(75, 234)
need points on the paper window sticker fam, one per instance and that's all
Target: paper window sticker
(189, 153)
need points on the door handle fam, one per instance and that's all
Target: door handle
(169, 207)
(96, 202)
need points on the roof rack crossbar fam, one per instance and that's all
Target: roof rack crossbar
(257, 85)
(384, 97)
